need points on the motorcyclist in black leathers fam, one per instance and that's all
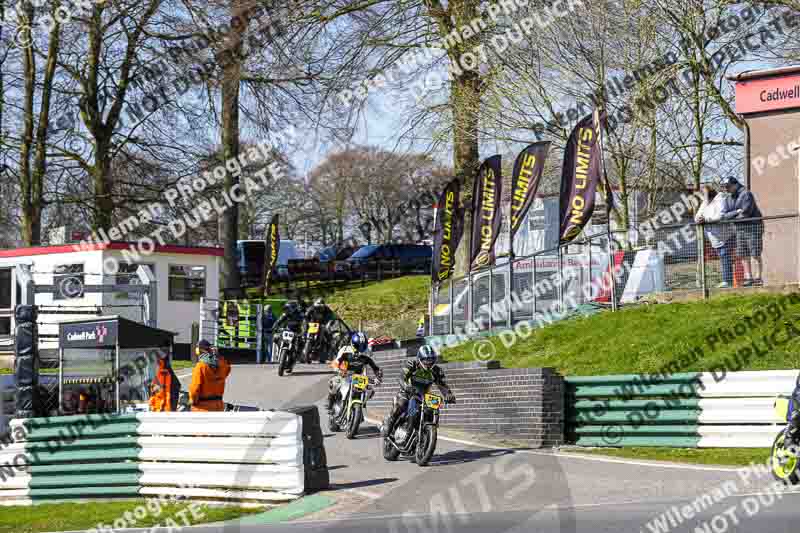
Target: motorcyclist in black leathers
(324, 316)
(292, 318)
(418, 376)
(356, 358)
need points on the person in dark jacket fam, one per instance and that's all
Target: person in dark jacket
(741, 204)
(267, 325)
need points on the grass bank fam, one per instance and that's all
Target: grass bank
(86, 516)
(390, 307)
(703, 456)
(646, 338)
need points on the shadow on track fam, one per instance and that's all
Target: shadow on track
(362, 484)
(464, 456)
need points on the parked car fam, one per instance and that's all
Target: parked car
(407, 258)
(330, 256)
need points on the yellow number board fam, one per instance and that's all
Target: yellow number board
(433, 401)
(360, 382)
(313, 327)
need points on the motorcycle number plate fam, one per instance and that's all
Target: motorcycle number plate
(288, 335)
(360, 382)
(433, 401)
(313, 327)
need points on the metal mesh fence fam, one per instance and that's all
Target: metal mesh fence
(644, 262)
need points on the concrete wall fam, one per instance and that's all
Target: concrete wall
(774, 181)
(172, 315)
(524, 404)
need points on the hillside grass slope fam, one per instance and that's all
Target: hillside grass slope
(692, 336)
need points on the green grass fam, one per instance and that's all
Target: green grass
(180, 365)
(647, 337)
(703, 456)
(84, 516)
(390, 307)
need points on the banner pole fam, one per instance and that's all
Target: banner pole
(434, 294)
(609, 200)
(510, 289)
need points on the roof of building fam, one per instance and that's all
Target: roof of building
(92, 246)
(764, 73)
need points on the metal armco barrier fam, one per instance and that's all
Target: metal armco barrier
(688, 410)
(242, 456)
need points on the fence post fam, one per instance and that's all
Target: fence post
(491, 299)
(590, 271)
(533, 287)
(450, 307)
(612, 268)
(702, 251)
(509, 290)
(560, 280)
(469, 297)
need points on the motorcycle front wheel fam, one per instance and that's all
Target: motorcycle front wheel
(426, 445)
(282, 362)
(355, 420)
(390, 453)
(783, 463)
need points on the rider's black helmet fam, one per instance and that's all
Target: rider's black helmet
(426, 356)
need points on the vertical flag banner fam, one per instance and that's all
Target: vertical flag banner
(447, 232)
(486, 216)
(580, 176)
(273, 245)
(525, 179)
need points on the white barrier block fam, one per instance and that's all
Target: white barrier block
(279, 478)
(738, 411)
(219, 494)
(282, 450)
(737, 436)
(224, 424)
(747, 384)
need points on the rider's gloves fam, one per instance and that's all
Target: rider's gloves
(451, 398)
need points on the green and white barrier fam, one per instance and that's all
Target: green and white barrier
(244, 456)
(692, 410)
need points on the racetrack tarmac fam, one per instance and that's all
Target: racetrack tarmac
(478, 488)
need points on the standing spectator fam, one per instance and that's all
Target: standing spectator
(267, 323)
(741, 204)
(708, 213)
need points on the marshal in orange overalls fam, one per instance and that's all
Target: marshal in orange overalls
(208, 385)
(164, 389)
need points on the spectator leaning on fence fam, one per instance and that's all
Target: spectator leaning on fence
(741, 204)
(719, 235)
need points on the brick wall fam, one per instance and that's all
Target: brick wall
(524, 404)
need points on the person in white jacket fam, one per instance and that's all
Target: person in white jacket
(719, 236)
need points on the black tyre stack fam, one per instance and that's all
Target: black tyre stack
(26, 362)
(315, 462)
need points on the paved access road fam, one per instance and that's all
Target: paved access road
(474, 488)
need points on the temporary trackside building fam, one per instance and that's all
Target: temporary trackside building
(183, 274)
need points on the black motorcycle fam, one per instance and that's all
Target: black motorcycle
(416, 439)
(287, 346)
(317, 344)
